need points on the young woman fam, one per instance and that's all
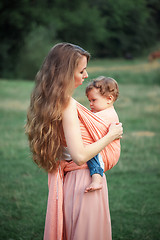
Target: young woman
(56, 121)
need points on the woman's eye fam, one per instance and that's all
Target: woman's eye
(81, 72)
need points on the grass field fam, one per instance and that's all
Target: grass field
(133, 183)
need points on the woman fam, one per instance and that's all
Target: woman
(56, 121)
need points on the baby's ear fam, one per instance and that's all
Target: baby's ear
(110, 99)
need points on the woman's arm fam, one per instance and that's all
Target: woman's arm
(79, 152)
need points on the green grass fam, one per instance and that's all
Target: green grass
(133, 183)
(131, 71)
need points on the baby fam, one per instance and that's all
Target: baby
(102, 92)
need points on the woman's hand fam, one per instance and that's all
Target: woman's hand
(115, 130)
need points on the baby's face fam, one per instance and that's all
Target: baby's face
(97, 101)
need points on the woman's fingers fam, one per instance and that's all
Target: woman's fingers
(116, 129)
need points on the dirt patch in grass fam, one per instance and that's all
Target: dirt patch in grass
(143, 134)
(153, 108)
(14, 105)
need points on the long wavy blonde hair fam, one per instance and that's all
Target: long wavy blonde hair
(53, 87)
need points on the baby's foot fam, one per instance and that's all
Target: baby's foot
(93, 187)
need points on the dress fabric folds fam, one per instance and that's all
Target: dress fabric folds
(86, 215)
(71, 213)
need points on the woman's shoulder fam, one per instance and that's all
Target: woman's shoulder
(75, 105)
(72, 105)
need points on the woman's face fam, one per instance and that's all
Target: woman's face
(80, 72)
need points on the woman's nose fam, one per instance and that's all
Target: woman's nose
(85, 74)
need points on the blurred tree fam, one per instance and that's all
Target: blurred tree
(105, 28)
(83, 26)
(154, 9)
(129, 27)
(16, 21)
(36, 46)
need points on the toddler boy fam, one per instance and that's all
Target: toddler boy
(102, 92)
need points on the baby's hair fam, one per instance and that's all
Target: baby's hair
(106, 85)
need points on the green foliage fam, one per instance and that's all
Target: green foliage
(17, 18)
(84, 26)
(129, 27)
(36, 46)
(105, 28)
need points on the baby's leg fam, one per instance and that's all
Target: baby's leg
(96, 167)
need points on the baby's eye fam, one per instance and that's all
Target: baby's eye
(81, 72)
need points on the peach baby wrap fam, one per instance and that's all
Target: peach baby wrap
(92, 129)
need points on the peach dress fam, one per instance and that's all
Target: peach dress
(73, 214)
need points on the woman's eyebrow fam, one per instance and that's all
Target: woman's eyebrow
(84, 68)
